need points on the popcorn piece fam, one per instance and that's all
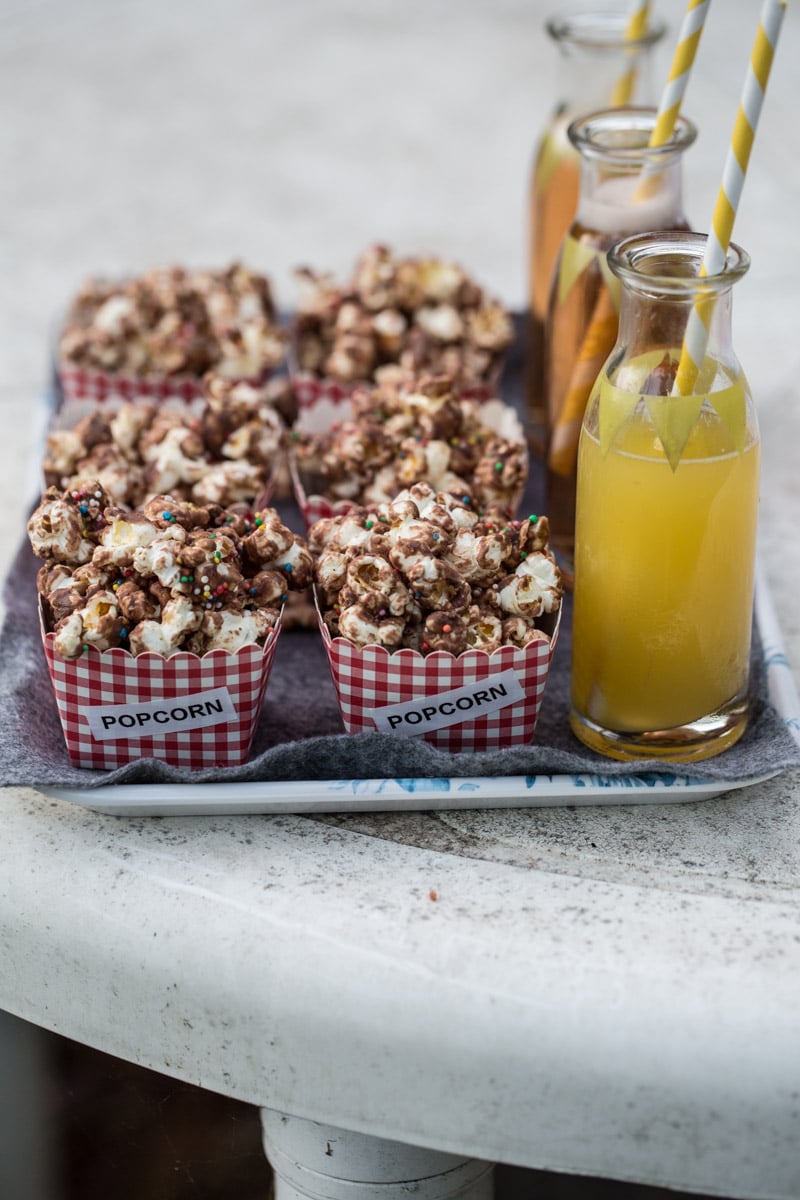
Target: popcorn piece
(65, 527)
(178, 618)
(445, 631)
(359, 625)
(230, 631)
(533, 589)
(485, 631)
(98, 623)
(229, 483)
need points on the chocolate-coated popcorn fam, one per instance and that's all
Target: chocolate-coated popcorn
(420, 313)
(176, 321)
(409, 431)
(223, 455)
(432, 571)
(173, 576)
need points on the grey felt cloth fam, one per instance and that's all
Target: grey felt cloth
(300, 732)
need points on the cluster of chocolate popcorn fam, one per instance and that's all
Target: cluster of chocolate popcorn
(420, 313)
(223, 455)
(176, 321)
(169, 576)
(406, 431)
(429, 571)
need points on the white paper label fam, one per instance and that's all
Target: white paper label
(157, 717)
(412, 718)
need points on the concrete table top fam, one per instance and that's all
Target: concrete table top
(609, 991)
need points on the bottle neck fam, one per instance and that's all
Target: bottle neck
(618, 198)
(666, 298)
(597, 67)
(627, 185)
(655, 325)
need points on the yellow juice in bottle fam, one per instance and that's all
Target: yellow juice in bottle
(663, 575)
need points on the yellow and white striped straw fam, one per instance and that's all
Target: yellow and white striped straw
(675, 88)
(744, 130)
(678, 78)
(635, 29)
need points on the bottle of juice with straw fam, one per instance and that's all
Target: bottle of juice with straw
(666, 519)
(605, 60)
(626, 186)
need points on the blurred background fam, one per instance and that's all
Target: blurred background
(138, 133)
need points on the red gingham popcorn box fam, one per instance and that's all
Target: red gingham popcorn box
(472, 702)
(185, 710)
(160, 623)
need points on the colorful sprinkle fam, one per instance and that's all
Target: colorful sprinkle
(447, 629)
(287, 567)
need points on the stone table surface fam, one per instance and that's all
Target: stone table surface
(601, 990)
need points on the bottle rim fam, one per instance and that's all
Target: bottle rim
(601, 31)
(621, 135)
(669, 262)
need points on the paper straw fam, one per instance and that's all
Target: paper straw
(678, 78)
(741, 143)
(635, 29)
(675, 88)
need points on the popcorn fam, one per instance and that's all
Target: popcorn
(428, 571)
(224, 455)
(173, 576)
(175, 321)
(422, 314)
(406, 431)
(66, 527)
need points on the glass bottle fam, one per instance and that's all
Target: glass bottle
(666, 519)
(598, 68)
(625, 187)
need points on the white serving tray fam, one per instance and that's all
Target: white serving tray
(393, 795)
(397, 795)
